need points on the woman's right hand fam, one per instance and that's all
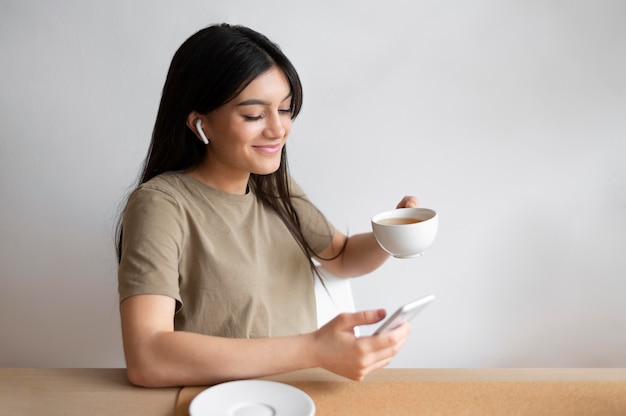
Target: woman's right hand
(338, 350)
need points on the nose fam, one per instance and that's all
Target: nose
(275, 127)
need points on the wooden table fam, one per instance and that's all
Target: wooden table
(79, 392)
(386, 392)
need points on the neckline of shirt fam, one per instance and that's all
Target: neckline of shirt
(186, 177)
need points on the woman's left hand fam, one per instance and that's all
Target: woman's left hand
(408, 202)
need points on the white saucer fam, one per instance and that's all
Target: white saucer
(252, 398)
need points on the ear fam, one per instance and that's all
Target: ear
(195, 121)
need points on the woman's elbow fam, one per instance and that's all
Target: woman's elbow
(146, 376)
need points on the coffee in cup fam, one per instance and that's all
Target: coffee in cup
(405, 232)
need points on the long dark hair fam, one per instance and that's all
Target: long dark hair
(209, 69)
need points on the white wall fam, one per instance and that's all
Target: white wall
(507, 117)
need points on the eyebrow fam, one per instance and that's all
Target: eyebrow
(256, 101)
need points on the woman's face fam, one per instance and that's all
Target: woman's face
(248, 133)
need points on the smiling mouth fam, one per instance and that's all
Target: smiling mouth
(269, 149)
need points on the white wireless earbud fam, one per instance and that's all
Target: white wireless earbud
(201, 132)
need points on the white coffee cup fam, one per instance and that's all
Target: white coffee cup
(405, 232)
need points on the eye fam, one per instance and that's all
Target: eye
(285, 111)
(252, 118)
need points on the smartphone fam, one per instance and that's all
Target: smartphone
(404, 314)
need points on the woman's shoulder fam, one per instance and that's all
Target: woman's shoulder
(168, 185)
(174, 183)
(164, 181)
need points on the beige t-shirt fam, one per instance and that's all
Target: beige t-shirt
(232, 265)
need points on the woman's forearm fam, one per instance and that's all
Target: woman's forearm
(361, 255)
(176, 358)
(158, 356)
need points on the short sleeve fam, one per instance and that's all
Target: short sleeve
(152, 238)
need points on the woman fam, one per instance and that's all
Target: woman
(216, 245)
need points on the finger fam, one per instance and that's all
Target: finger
(391, 339)
(350, 320)
(379, 350)
(408, 202)
(382, 358)
(377, 366)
